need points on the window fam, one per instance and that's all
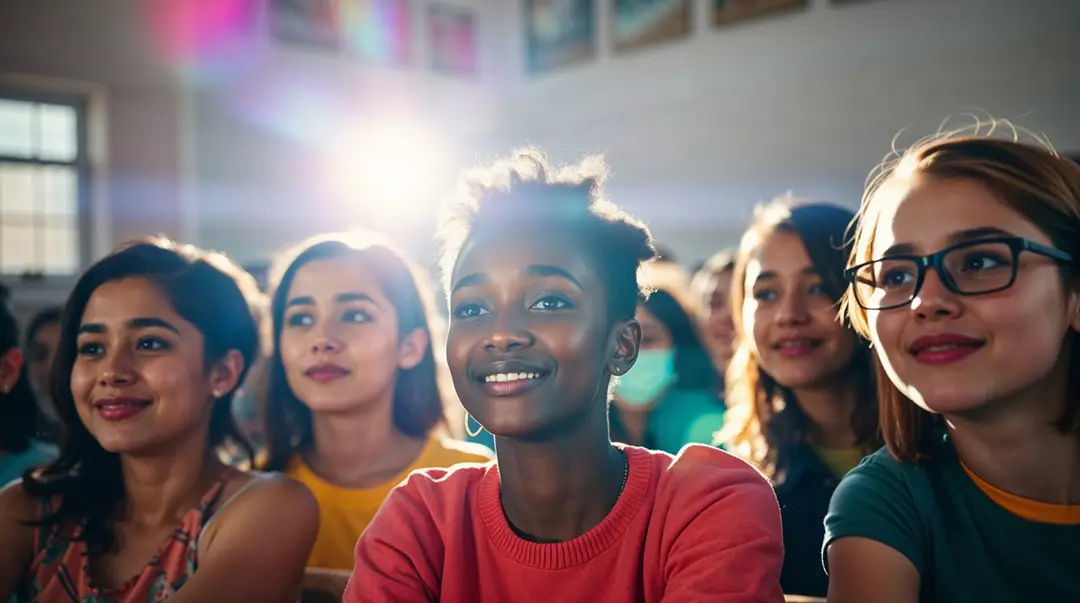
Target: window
(42, 184)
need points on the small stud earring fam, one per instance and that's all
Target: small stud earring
(217, 393)
(5, 388)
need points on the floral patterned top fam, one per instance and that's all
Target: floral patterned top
(60, 571)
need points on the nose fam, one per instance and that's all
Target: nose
(507, 333)
(792, 311)
(326, 341)
(934, 299)
(117, 369)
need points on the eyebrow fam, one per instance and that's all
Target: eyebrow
(960, 236)
(771, 274)
(134, 323)
(307, 300)
(534, 270)
(547, 270)
(470, 280)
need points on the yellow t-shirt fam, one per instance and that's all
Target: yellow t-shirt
(345, 512)
(839, 460)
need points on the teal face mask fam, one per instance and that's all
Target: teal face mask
(650, 376)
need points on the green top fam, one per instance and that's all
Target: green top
(683, 416)
(964, 545)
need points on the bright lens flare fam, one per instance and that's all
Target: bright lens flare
(391, 170)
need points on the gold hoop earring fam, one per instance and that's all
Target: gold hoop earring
(468, 418)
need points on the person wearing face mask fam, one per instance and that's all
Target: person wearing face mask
(666, 400)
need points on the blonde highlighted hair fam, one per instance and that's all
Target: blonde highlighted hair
(1028, 177)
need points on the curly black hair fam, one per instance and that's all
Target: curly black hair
(525, 193)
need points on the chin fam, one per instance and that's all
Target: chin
(949, 398)
(117, 445)
(798, 379)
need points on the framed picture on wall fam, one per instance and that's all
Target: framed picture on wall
(558, 33)
(731, 11)
(452, 39)
(637, 23)
(378, 31)
(306, 24)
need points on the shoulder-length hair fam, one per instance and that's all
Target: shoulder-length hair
(1030, 179)
(418, 405)
(207, 290)
(765, 423)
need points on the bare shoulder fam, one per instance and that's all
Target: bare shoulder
(252, 489)
(254, 498)
(16, 504)
(16, 508)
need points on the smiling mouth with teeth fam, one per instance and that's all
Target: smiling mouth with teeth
(504, 377)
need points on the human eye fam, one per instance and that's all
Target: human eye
(357, 316)
(549, 303)
(300, 319)
(765, 295)
(470, 310)
(976, 261)
(153, 344)
(893, 274)
(90, 348)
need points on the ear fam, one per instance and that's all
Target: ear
(10, 365)
(225, 374)
(411, 349)
(624, 345)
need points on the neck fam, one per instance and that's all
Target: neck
(633, 422)
(829, 409)
(558, 489)
(361, 447)
(1015, 445)
(160, 488)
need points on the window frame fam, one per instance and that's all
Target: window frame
(80, 103)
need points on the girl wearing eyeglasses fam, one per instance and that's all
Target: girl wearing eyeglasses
(964, 276)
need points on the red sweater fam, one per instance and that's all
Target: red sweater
(702, 526)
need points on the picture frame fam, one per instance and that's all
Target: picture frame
(379, 31)
(306, 24)
(725, 12)
(559, 33)
(452, 40)
(638, 23)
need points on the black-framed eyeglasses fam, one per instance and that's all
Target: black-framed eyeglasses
(970, 268)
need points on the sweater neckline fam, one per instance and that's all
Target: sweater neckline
(579, 550)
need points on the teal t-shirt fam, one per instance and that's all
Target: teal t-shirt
(964, 545)
(683, 416)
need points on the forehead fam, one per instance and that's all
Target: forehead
(782, 253)
(126, 298)
(504, 257)
(925, 212)
(334, 275)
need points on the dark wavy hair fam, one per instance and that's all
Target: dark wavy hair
(19, 414)
(418, 405)
(207, 290)
(767, 425)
